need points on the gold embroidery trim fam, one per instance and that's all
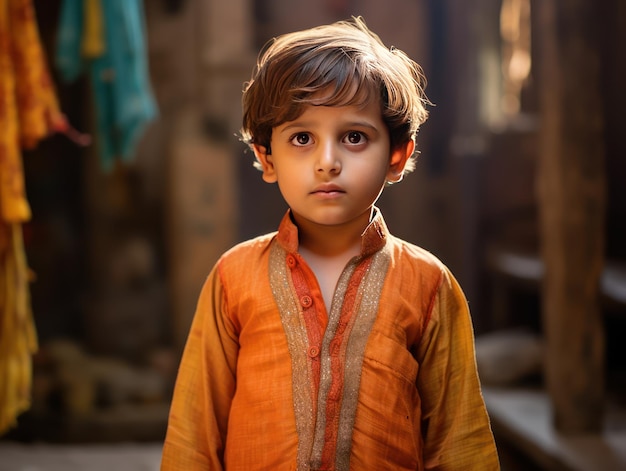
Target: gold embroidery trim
(293, 323)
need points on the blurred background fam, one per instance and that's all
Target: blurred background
(519, 189)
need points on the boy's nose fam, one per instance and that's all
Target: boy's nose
(328, 159)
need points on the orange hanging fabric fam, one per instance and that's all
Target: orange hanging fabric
(29, 111)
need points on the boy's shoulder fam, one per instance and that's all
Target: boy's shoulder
(411, 260)
(247, 252)
(409, 253)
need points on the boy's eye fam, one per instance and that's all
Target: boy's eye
(355, 137)
(301, 139)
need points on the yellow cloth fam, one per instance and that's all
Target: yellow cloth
(270, 380)
(18, 337)
(93, 44)
(28, 112)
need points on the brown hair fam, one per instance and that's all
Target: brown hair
(345, 58)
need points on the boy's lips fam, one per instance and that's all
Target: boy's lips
(329, 189)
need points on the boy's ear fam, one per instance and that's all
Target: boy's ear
(266, 163)
(399, 158)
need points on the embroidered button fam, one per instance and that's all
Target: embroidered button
(291, 261)
(306, 301)
(314, 351)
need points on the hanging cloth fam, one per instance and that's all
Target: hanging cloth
(93, 42)
(29, 111)
(106, 39)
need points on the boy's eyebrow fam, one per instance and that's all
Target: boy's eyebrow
(307, 124)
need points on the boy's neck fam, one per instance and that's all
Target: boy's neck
(331, 241)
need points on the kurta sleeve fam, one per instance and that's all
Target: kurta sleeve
(455, 425)
(205, 385)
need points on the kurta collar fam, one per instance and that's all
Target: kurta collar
(373, 238)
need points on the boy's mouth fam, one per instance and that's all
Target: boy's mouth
(329, 189)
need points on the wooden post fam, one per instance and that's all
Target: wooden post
(203, 213)
(572, 188)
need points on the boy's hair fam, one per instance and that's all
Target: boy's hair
(343, 63)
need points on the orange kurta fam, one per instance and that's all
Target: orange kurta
(270, 380)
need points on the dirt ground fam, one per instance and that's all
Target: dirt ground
(46, 457)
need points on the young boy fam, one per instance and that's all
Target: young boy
(330, 344)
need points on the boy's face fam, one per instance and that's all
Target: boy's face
(331, 163)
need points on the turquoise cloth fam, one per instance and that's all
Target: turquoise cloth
(120, 79)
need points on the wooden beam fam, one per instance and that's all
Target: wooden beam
(571, 182)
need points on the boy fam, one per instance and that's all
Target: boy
(330, 344)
